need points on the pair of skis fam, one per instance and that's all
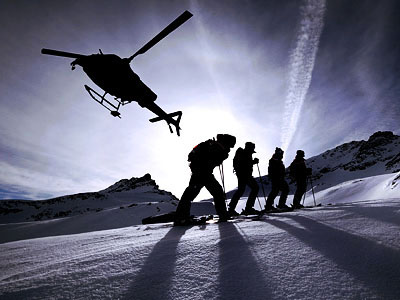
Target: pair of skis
(192, 221)
(207, 219)
(171, 217)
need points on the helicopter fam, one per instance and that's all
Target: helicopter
(114, 75)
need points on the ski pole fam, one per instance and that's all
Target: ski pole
(259, 203)
(262, 185)
(312, 189)
(304, 197)
(221, 172)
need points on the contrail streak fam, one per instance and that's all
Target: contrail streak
(302, 59)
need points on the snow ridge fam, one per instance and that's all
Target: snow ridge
(126, 192)
(380, 154)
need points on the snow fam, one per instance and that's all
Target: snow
(347, 250)
(375, 187)
(380, 154)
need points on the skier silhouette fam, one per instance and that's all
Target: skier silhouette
(203, 159)
(299, 171)
(276, 173)
(243, 166)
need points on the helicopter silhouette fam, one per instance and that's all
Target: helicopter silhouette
(114, 75)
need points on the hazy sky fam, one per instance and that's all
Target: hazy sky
(296, 74)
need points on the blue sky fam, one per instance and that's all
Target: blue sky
(229, 69)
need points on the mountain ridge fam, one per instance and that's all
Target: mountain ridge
(380, 154)
(124, 193)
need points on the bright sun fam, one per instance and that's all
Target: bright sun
(208, 122)
(198, 124)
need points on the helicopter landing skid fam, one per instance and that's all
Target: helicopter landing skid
(112, 107)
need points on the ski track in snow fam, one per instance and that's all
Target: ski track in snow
(346, 251)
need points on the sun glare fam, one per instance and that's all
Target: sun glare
(198, 124)
(208, 122)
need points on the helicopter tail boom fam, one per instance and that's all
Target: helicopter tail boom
(169, 118)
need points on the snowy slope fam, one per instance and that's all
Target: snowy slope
(383, 187)
(349, 250)
(379, 155)
(125, 203)
(376, 187)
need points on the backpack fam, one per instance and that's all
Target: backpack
(237, 160)
(201, 151)
(292, 170)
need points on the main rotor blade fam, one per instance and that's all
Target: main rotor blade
(61, 53)
(186, 15)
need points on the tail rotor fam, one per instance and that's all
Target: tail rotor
(169, 118)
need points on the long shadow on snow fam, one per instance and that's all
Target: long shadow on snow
(239, 273)
(154, 279)
(375, 265)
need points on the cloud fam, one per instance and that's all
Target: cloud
(302, 60)
(226, 69)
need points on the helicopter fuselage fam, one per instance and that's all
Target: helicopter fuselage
(115, 76)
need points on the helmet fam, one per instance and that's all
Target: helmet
(250, 146)
(226, 139)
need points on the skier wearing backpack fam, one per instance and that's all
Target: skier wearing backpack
(299, 171)
(276, 173)
(203, 159)
(243, 166)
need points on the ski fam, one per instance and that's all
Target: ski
(247, 217)
(192, 221)
(318, 205)
(279, 210)
(162, 218)
(170, 217)
(211, 219)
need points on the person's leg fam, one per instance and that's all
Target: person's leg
(215, 189)
(239, 192)
(272, 194)
(190, 193)
(301, 186)
(252, 183)
(284, 187)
